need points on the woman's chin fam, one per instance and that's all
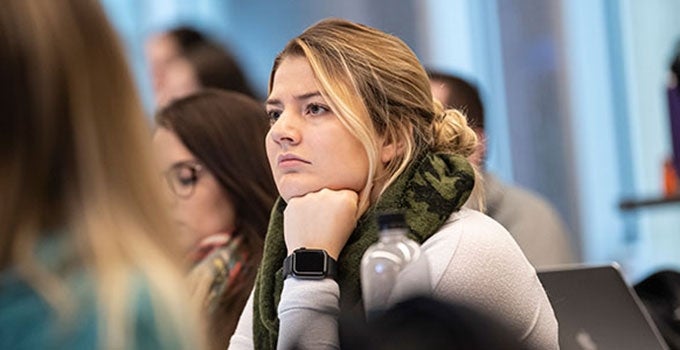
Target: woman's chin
(288, 195)
(291, 190)
(206, 245)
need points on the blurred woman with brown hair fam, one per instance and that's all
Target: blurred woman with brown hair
(184, 60)
(209, 148)
(86, 252)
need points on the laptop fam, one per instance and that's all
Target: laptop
(597, 310)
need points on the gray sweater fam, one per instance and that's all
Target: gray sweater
(473, 260)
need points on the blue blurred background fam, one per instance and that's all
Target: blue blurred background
(574, 89)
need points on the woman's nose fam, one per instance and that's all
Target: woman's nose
(286, 129)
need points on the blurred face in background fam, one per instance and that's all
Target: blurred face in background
(180, 80)
(172, 74)
(200, 206)
(442, 92)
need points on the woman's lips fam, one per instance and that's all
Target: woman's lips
(290, 161)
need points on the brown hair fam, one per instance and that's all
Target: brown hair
(225, 131)
(75, 162)
(463, 95)
(214, 64)
(216, 67)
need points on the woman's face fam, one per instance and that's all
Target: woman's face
(308, 147)
(173, 75)
(180, 80)
(160, 51)
(200, 206)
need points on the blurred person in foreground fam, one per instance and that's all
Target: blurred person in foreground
(184, 60)
(209, 147)
(86, 252)
(531, 220)
(427, 323)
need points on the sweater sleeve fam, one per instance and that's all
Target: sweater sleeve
(308, 314)
(474, 261)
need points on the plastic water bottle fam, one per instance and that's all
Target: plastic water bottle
(394, 268)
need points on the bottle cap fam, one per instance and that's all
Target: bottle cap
(391, 220)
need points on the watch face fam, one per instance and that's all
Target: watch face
(310, 263)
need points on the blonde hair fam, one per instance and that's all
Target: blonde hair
(378, 88)
(75, 161)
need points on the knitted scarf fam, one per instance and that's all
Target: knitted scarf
(434, 186)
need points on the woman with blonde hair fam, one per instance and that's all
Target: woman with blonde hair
(356, 132)
(86, 252)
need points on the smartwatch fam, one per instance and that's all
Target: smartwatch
(313, 264)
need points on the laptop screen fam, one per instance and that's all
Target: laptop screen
(597, 310)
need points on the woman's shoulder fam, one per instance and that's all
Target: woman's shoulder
(483, 267)
(474, 226)
(472, 243)
(468, 217)
(214, 275)
(28, 321)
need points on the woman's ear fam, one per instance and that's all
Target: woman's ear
(393, 146)
(388, 151)
(391, 149)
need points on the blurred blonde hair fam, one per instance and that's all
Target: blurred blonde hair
(378, 88)
(74, 160)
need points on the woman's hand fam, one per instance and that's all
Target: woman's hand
(321, 220)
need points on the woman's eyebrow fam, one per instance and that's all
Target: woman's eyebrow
(305, 96)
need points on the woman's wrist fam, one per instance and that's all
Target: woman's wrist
(333, 253)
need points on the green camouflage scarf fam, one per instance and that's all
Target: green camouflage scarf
(433, 187)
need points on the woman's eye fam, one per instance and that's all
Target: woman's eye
(316, 109)
(186, 181)
(274, 115)
(185, 177)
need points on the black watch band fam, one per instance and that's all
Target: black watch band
(312, 264)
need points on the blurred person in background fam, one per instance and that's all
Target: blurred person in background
(209, 146)
(531, 220)
(183, 60)
(87, 256)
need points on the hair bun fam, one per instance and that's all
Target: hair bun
(451, 132)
